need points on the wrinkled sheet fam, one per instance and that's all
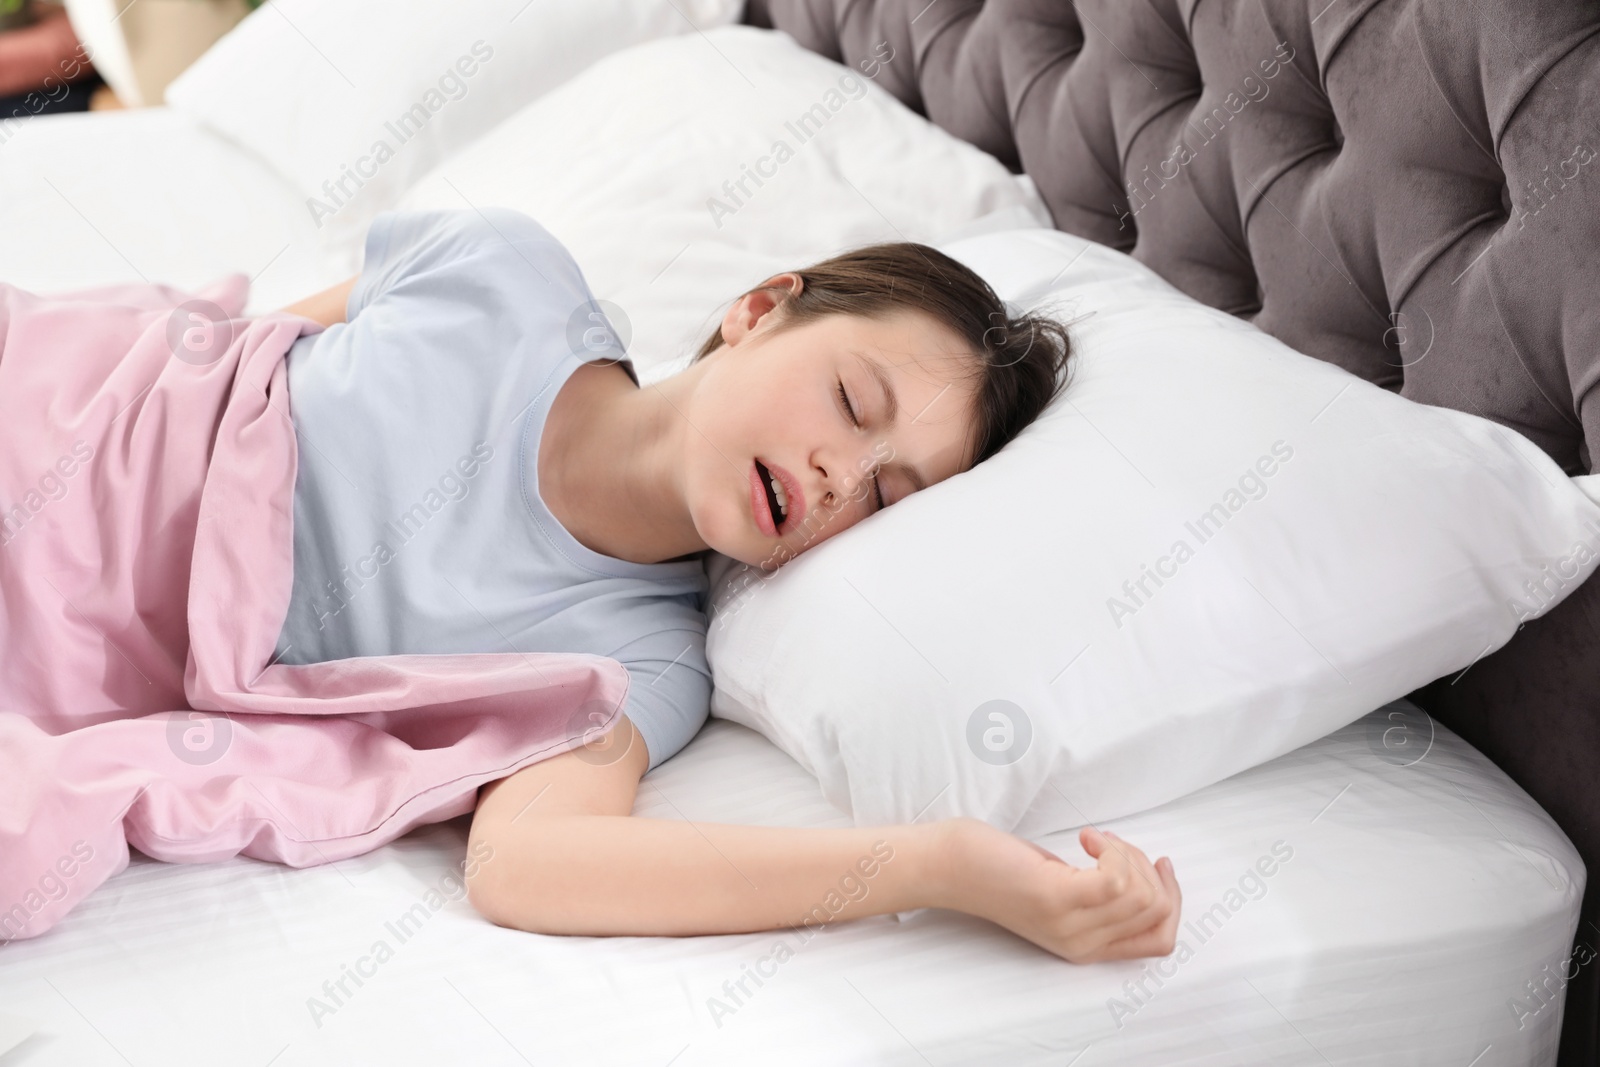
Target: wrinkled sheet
(147, 465)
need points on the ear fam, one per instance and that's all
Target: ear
(742, 318)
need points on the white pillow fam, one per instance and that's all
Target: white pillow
(372, 96)
(626, 165)
(1062, 635)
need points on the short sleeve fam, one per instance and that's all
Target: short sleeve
(669, 696)
(402, 246)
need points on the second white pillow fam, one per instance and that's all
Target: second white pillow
(354, 100)
(684, 171)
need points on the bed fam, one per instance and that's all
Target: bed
(1418, 903)
(1421, 910)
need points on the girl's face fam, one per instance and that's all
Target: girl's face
(768, 407)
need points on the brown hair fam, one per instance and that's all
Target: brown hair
(1021, 360)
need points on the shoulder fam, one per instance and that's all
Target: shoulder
(467, 231)
(502, 262)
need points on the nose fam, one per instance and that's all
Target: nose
(840, 474)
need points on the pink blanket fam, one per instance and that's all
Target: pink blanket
(147, 466)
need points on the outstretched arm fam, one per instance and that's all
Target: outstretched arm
(568, 858)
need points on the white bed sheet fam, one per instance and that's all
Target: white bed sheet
(102, 198)
(1418, 903)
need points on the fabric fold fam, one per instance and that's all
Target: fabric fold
(147, 466)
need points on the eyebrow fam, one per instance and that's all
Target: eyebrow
(892, 403)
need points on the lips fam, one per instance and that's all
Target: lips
(761, 498)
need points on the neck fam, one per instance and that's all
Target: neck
(610, 470)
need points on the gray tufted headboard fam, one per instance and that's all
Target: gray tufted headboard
(1410, 190)
(1407, 188)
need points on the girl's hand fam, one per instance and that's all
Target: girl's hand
(326, 307)
(1123, 908)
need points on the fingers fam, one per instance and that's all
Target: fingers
(1156, 941)
(1169, 878)
(1163, 903)
(1105, 884)
(1107, 847)
(1137, 859)
(1120, 908)
(1142, 915)
(1117, 867)
(1127, 905)
(1156, 938)
(1121, 861)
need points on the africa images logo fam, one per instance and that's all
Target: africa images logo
(451, 85)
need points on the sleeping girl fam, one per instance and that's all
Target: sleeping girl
(421, 546)
(562, 507)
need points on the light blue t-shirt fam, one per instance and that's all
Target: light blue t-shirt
(418, 525)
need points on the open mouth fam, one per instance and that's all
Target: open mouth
(777, 499)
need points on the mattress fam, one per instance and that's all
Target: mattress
(1411, 903)
(70, 222)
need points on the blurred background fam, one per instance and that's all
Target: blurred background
(138, 48)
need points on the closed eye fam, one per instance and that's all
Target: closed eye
(850, 413)
(844, 401)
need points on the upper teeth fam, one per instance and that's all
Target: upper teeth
(783, 500)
